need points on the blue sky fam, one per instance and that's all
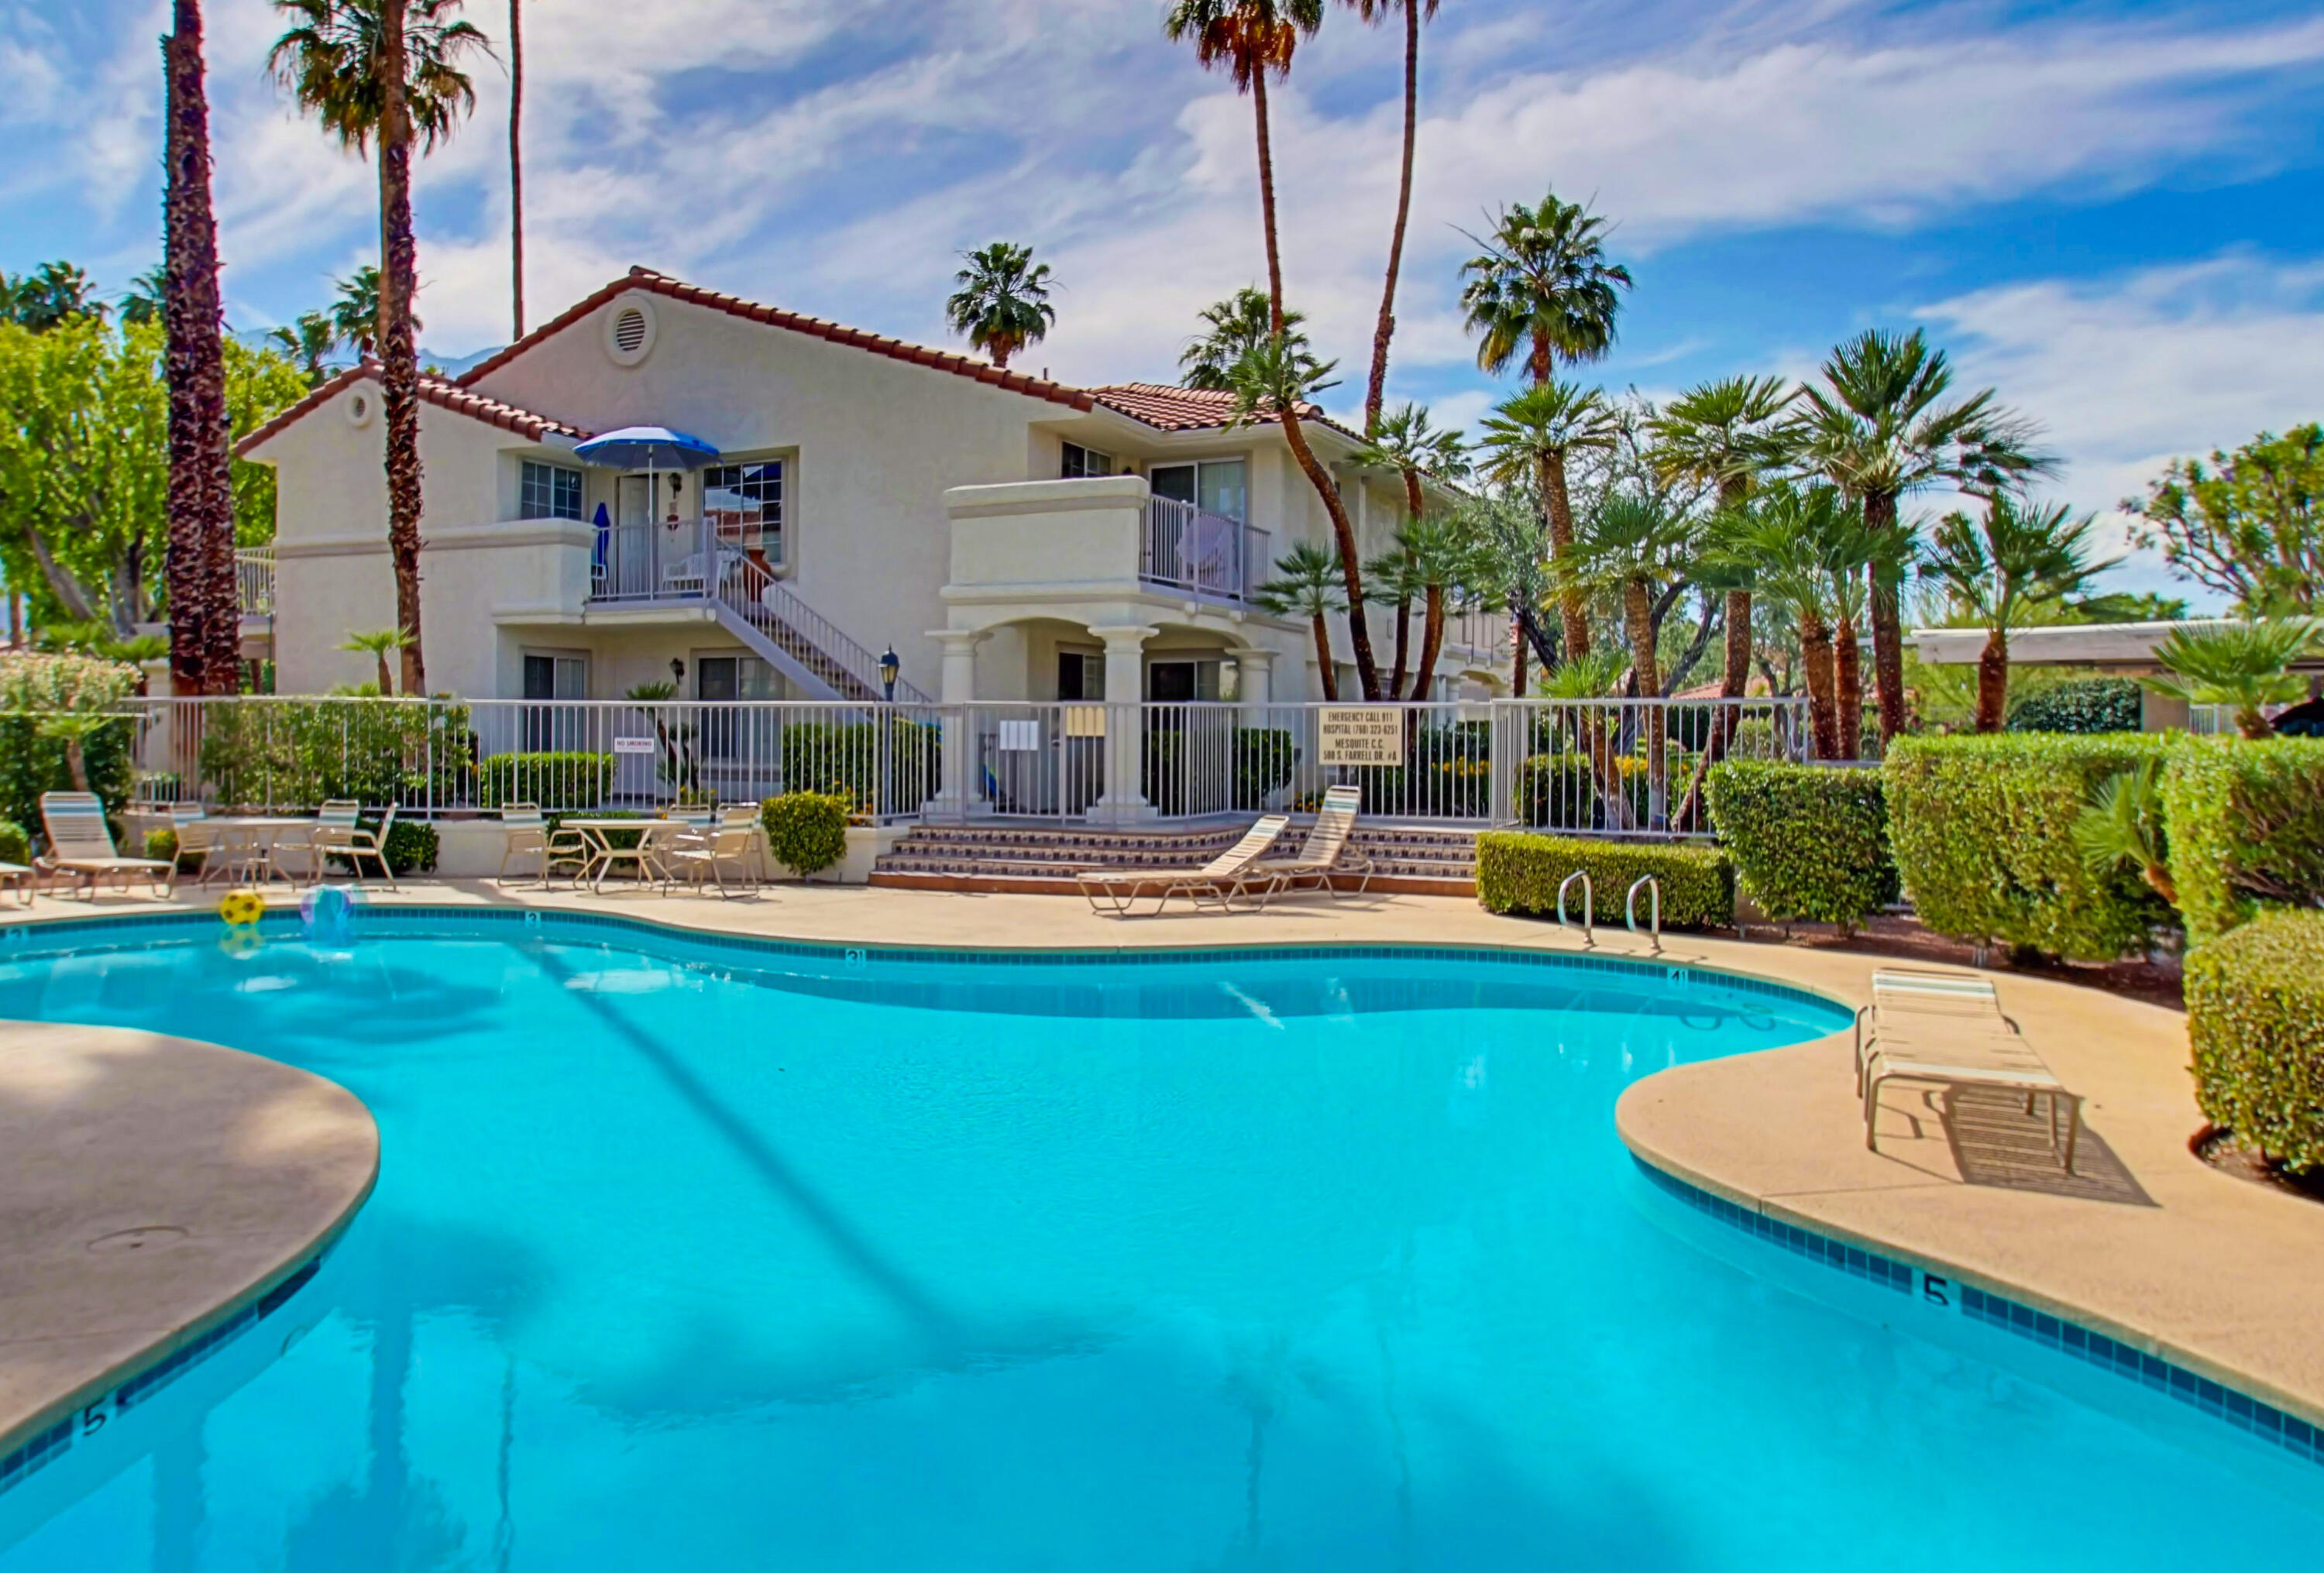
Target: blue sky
(2110, 212)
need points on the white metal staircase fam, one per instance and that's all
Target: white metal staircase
(798, 640)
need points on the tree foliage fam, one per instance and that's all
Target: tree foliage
(2249, 525)
(85, 464)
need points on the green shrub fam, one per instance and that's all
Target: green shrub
(34, 684)
(15, 846)
(806, 830)
(291, 752)
(2255, 1018)
(2083, 705)
(891, 766)
(556, 780)
(2246, 820)
(162, 845)
(1264, 758)
(1520, 873)
(1807, 842)
(1557, 789)
(412, 846)
(1982, 829)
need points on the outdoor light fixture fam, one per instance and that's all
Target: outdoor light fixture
(890, 669)
(677, 670)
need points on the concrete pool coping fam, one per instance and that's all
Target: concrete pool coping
(157, 1188)
(2165, 1254)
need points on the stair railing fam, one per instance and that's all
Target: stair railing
(1653, 889)
(759, 597)
(1588, 939)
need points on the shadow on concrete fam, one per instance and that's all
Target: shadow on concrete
(1996, 1142)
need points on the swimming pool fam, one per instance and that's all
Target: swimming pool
(696, 1254)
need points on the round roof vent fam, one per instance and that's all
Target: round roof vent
(361, 405)
(630, 332)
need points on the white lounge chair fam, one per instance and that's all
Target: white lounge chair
(22, 880)
(80, 843)
(1326, 852)
(1112, 892)
(339, 832)
(1948, 1029)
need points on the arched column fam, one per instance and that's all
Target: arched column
(961, 792)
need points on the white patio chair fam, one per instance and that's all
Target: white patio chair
(729, 848)
(339, 832)
(529, 837)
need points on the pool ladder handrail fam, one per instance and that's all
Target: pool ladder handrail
(1654, 888)
(1588, 907)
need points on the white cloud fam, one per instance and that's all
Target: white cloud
(2166, 363)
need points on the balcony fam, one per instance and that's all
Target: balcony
(253, 579)
(1104, 538)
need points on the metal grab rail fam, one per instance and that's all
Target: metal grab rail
(1654, 888)
(1589, 908)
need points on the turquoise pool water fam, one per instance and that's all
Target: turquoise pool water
(689, 1257)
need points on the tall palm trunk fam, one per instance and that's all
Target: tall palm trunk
(1360, 637)
(205, 611)
(1993, 681)
(1638, 620)
(1848, 685)
(1517, 668)
(1376, 394)
(1816, 666)
(1888, 585)
(399, 355)
(1403, 647)
(1432, 640)
(1572, 615)
(1324, 670)
(516, 157)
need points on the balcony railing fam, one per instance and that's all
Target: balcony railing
(1183, 547)
(253, 578)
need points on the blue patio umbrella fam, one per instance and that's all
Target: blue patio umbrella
(650, 448)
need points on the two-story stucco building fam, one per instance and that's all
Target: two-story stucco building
(1009, 537)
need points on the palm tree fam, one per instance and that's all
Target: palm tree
(1639, 547)
(74, 728)
(387, 69)
(1781, 539)
(1879, 426)
(1721, 435)
(2123, 824)
(309, 342)
(376, 645)
(516, 158)
(1393, 577)
(1529, 436)
(1415, 12)
(199, 566)
(355, 315)
(1310, 587)
(1541, 286)
(1238, 324)
(1433, 550)
(51, 295)
(1406, 443)
(1501, 551)
(2245, 665)
(2018, 557)
(1003, 302)
(142, 302)
(1251, 39)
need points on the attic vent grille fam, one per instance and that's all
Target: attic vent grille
(629, 331)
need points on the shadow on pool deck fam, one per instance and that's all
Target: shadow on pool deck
(1996, 1142)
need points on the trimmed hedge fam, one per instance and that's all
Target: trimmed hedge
(15, 845)
(2255, 1018)
(2246, 822)
(2086, 705)
(806, 831)
(892, 770)
(1807, 842)
(553, 780)
(1520, 873)
(1983, 834)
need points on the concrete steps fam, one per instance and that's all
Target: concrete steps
(1040, 859)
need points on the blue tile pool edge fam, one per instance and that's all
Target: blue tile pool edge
(17, 942)
(2255, 1416)
(42, 1442)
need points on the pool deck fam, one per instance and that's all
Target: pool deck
(154, 1187)
(2145, 1243)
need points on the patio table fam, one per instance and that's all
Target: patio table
(597, 834)
(252, 840)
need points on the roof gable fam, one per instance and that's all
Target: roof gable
(436, 391)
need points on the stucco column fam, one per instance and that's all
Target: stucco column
(1124, 802)
(1255, 678)
(962, 788)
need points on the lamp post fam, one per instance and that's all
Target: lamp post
(890, 669)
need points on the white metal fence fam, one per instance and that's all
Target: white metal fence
(1618, 767)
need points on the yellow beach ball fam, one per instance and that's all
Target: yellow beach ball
(242, 908)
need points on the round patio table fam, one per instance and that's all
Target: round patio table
(251, 841)
(597, 834)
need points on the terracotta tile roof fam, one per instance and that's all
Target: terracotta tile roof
(436, 391)
(646, 279)
(1175, 409)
